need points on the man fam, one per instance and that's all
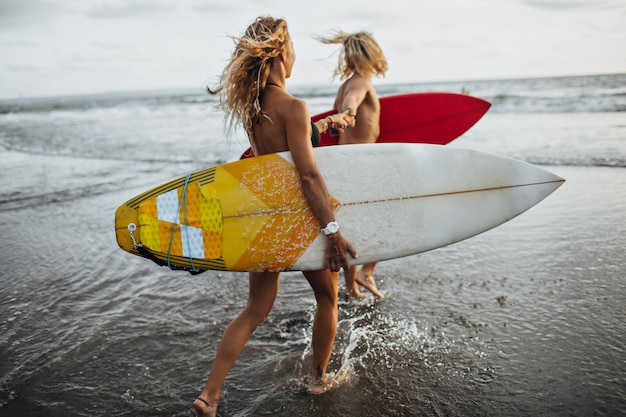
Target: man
(360, 59)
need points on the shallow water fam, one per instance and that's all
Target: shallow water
(526, 319)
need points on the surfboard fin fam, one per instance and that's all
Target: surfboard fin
(146, 253)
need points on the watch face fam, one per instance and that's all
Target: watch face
(332, 227)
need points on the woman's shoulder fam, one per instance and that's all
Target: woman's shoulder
(292, 105)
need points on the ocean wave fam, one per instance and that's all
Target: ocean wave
(607, 103)
(598, 93)
(90, 102)
(584, 162)
(580, 94)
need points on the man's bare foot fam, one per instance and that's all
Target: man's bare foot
(205, 408)
(367, 281)
(355, 294)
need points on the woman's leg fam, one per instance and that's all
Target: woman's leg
(262, 293)
(324, 284)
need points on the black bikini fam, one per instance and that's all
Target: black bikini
(315, 135)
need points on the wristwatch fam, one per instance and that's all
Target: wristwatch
(331, 228)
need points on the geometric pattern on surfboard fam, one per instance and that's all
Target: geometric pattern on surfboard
(190, 221)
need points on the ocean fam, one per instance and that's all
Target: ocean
(527, 319)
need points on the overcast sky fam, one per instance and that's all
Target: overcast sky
(61, 47)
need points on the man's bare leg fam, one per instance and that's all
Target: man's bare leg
(352, 286)
(365, 277)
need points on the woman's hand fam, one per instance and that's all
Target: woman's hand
(337, 250)
(342, 120)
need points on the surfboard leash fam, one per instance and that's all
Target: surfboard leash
(146, 253)
(183, 202)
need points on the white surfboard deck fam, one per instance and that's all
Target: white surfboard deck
(402, 199)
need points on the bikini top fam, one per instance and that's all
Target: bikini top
(315, 135)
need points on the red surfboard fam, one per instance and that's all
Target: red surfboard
(436, 118)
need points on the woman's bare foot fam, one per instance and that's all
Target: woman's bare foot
(367, 281)
(323, 385)
(205, 408)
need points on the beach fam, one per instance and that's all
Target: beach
(526, 319)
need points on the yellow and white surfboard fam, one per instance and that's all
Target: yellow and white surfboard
(391, 200)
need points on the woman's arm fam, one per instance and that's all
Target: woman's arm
(298, 131)
(337, 121)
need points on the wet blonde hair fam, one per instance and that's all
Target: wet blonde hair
(360, 54)
(245, 76)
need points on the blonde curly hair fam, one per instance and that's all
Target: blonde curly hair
(244, 78)
(360, 54)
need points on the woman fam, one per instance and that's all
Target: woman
(253, 93)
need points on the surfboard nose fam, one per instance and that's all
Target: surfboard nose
(558, 180)
(552, 181)
(552, 184)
